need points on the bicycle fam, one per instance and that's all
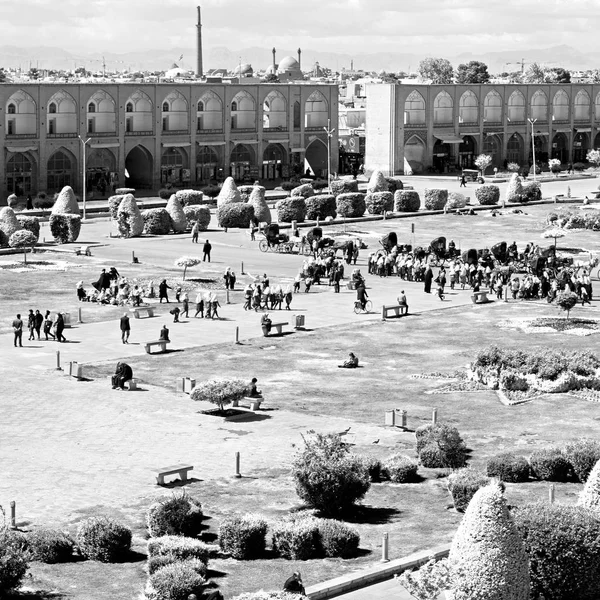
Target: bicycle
(358, 309)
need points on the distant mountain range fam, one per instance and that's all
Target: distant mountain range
(260, 58)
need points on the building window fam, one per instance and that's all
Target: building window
(90, 126)
(51, 126)
(297, 115)
(129, 107)
(129, 124)
(52, 108)
(11, 109)
(11, 127)
(233, 106)
(165, 124)
(200, 106)
(91, 107)
(165, 107)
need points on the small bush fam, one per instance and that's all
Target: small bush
(190, 197)
(66, 202)
(243, 536)
(156, 221)
(123, 191)
(50, 545)
(113, 205)
(508, 467)
(378, 203)
(487, 194)
(13, 561)
(12, 201)
(177, 581)
(435, 199)
(235, 215)
(319, 184)
(532, 191)
(514, 190)
(42, 200)
(394, 184)
(406, 201)
(288, 186)
(455, 200)
(296, 539)
(337, 539)
(291, 209)
(179, 547)
(400, 468)
(177, 515)
(200, 214)
(582, 455)
(320, 207)
(305, 190)
(262, 212)
(351, 205)
(229, 193)
(245, 191)
(154, 563)
(377, 183)
(65, 227)
(30, 224)
(8, 222)
(463, 484)
(102, 539)
(165, 193)
(212, 191)
(344, 186)
(440, 446)
(22, 239)
(375, 469)
(549, 465)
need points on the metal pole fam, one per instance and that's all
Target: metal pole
(58, 367)
(84, 145)
(237, 335)
(227, 297)
(551, 493)
(329, 133)
(385, 548)
(79, 320)
(434, 416)
(13, 514)
(532, 121)
(237, 465)
(242, 271)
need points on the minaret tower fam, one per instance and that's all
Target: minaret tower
(199, 68)
(274, 62)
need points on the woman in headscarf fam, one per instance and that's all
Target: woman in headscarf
(162, 291)
(288, 296)
(103, 282)
(59, 325)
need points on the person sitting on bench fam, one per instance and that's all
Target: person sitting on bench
(402, 300)
(122, 374)
(164, 334)
(252, 391)
(351, 363)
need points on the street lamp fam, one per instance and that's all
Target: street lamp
(83, 146)
(329, 133)
(532, 121)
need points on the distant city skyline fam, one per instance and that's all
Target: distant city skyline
(435, 28)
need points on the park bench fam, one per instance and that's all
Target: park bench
(480, 297)
(397, 309)
(161, 343)
(85, 250)
(181, 469)
(254, 402)
(137, 310)
(279, 327)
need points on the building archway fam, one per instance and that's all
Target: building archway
(138, 165)
(581, 146)
(541, 149)
(516, 107)
(467, 150)
(443, 107)
(491, 146)
(468, 108)
(515, 149)
(316, 111)
(241, 161)
(275, 112)
(316, 159)
(62, 114)
(597, 142)
(414, 153)
(20, 173)
(560, 147)
(207, 164)
(274, 157)
(414, 109)
(21, 113)
(101, 170)
(442, 156)
(174, 166)
(62, 171)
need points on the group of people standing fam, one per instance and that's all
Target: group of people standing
(38, 323)
(259, 295)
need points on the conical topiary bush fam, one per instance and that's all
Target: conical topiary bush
(66, 203)
(130, 220)
(377, 183)
(229, 193)
(175, 210)
(514, 189)
(487, 558)
(261, 209)
(590, 495)
(8, 224)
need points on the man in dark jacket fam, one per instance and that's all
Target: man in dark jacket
(122, 374)
(125, 328)
(206, 249)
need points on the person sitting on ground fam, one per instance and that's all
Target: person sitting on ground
(81, 293)
(164, 334)
(122, 374)
(294, 584)
(351, 363)
(252, 391)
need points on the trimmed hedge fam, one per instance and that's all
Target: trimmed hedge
(455, 200)
(378, 203)
(50, 545)
(487, 194)
(288, 186)
(440, 446)
(175, 210)
(13, 561)
(125, 190)
(320, 207)
(305, 190)
(211, 191)
(508, 467)
(65, 227)
(66, 203)
(177, 515)
(435, 199)
(179, 547)
(165, 193)
(462, 485)
(406, 201)
(583, 455)
(200, 214)
(156, 221)
(336, 539)
(245, 191)
(189, 197)
(8, 223)
(235, 215)
(22, 239)
(400, 468)
(291, 209)
(351, 205)
(344, 186)
(30, 224)
(103, 539)
(42, 200)
(377, 183)
(12, 201)
(229, 194)
(375, 469)
(113, 205)
(154, 563)
(514, 189)
(243, 536)
(296, 539)
(394, 184)
(177, 581)
(549, 464)
(532, 191)
(262, 212)
(272, 595)
(129, 217)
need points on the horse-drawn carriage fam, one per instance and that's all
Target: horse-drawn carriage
(281, 242)
(440, 252)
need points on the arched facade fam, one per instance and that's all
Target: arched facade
(443, 156)
(138, 113)
(174, 166)
(492, 147)
(207, 164)
(241, 160)
(581, 146)
(175, 113)
(515, 149)
(467, 150)
(243, 111)
(516, 108)
(101, 114)
(21, 173)
(21, 112)
(316, 158)
(414, 109)
(316, 111)
(62, 114)
(560, 106)
(443, 106)
(209, 113)
(61, 170)
(101, 168)
(297, 116)
(275, 111)
(274, 157)
(581, 106)
(139, 165)
(492, 107)
(539, 106)
(468, 108)
(560, 147)
(414, 153)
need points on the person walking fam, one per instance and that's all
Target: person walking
(17, 325)
(288, 296)
(206, 250)
(199, 305)
(195, 232)
(125, 328)
(463, 181)
(185, 300)
(214, 304)
(59, 325)
(39, 320)
(48, 324)
(162, 291)
(31, 324)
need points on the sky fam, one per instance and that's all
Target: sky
(347, 26)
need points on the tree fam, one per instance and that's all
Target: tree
(589, 497)
(534, 74)
(593, 156)
(566, 300)
(558, 75)
(514, 190)
(186, 262)
(271, 78)
(220, 391)
(554, 164)
(438, 70)
(482, 162)
(473, 72)
(428, 582)
(2, 76)
(34, 73)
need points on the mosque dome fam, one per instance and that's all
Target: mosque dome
(289, 63)
(270, 70)
(246, 69)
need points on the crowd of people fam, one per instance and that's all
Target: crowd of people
(51, 327)
(259, 295)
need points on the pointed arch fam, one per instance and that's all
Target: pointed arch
(101, 113)
(207, 164)
(539, 106)
(21, 114)
(241, 159)
(139, 163)
(275, 111)
(443, 108)
(414, 153)
(492, 107)
(209, 112)
(560, 106)
(243, 111)
(597, 107)
(21, 173)
(316, 158)
(64, 102)
(581, 106)
(316, 110)
(61, 169)
(175, 112)
(414, 109)
(139, 116)
(516, 107)
(515, 149)
(468, 108)
(63, 109)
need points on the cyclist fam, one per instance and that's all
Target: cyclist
(361, 296)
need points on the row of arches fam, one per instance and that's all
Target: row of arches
(516, 108)
(62, 118)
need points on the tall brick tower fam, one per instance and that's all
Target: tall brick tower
(199, 69)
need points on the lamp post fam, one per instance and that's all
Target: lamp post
(83, 147)
(329, 133)
(532, 121)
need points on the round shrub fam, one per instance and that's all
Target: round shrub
(508, 467)
(583, 455)
(8, 222)
(199, 214)
(378, 203)
(344, 186)
(13, 561)
(549, 464)
(291, 209)
(229, 194)
(42, 200)
(220, 391)
(532, 191)
(288, 186)
(320, 207)
(235, 215)
(435, 199)
(179, 547)
(154, 563)
(156, 221)
(165, 193)
(563, 543)
(400, 468)
(113, 205)
(245, 191)
(375, 469)
(22, 239)
(211, 191)
(463, 484)
(125, 190)
(440, 446)
(177, 581)
(243, 536)
(455, 200)
(305, 190)
(262, 212)
(50, 545)
(394, 184)
(296, 539)
(319, 184)
(487, 194)
(406, 201)
(102, 539)
(30, 224)
(377, 183)
(337, 539)
(351, 205)
(129, 217)
(12, 201)
(66, 203)
(189, 197)
(65, 227)
(177, 515)
(514, 189)
(175, 210)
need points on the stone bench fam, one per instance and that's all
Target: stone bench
(480, 297)
(137, 310)
(397, 309)
(278, 326)
(254, 401)
(161, 343)
(182, 470)
(131, 384)
(85, 250)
